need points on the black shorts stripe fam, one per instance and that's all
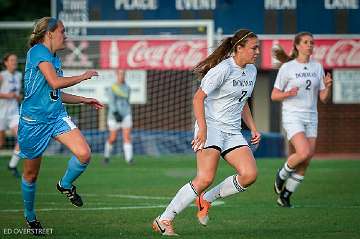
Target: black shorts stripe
(213, 147)
(231, 149)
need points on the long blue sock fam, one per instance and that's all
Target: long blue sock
(73, 171)
(28, 192)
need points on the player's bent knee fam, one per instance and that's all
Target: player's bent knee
(304, 154)
(203, 181)
(206, 181)
(30, 176)
(248, 178)
(84, 155)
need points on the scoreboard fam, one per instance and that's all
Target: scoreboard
(261, 16)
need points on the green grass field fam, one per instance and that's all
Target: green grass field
(122, 200)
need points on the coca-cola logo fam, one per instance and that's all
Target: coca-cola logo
(342, 53)
(176, 54)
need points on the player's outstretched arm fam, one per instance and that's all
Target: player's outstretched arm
(57, 82)
(75, 99)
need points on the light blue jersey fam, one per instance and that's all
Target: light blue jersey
(41, 103)
(42, 114)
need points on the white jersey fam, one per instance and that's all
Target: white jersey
(308, 77)
(227, 86)
(9, 82)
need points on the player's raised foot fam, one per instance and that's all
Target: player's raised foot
(14, 172)
(203, 210)
(164, 227)
(35, 226)
(71, 194)
(278, 184)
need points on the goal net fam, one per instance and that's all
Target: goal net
(158, 57)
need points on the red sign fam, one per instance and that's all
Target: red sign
(152, 54)
(332, 53)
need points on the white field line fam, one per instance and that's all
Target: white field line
(105, 195)
(104, 208)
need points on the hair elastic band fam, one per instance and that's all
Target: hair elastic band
(243, 38)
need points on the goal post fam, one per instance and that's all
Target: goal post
(158, 58)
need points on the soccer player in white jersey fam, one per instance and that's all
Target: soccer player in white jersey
(10, 85)
(228, 79)
(299, 83)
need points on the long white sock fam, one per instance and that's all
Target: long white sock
(108, 149)
(285, 171)
(182, 199)
(224, 189)
(293, 182)
(14, 159)
(128, 151)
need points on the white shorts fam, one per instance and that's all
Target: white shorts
(292, 128)
(125, 123)
(9, 122)
(222, 141)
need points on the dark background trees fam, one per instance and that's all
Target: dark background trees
(23, 10)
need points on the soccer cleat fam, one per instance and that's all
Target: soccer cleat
(14, 172)
(74, 198)
(164, 227)
(284, 199)
(278, 184)
(35, 227)
(203, 210)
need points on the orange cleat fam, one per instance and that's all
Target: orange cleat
(164, 227)
(203, 210)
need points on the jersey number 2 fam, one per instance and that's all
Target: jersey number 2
(308, 84)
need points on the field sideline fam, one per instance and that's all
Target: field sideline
(122, 200)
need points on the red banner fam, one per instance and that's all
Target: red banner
(152, 54)
(332, 53)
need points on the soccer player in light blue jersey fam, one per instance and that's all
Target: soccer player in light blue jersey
(119, 117)
(43, 115)
(298, 85)
(228, 79)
